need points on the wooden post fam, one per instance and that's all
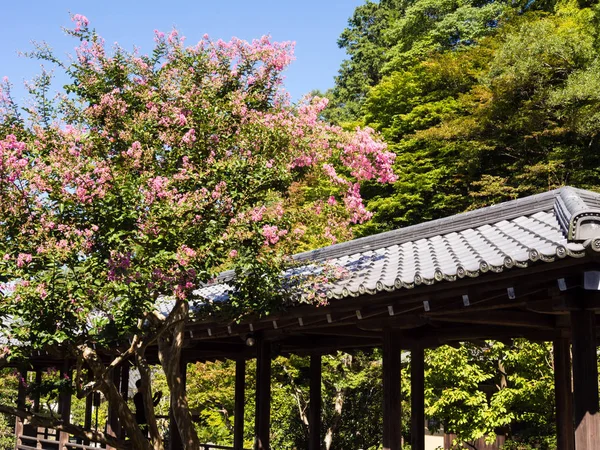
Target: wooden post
(417, 398)
(113, 427)
(87, 419)
(585, 380)
(64, 407)
(263, 394)
(314, 412)
(21, 394)
(89, 406)
(240, 400)
(36, 398)
(176, 443)
(565, 434)
(392, 412)
(124, 388)
(36, 408)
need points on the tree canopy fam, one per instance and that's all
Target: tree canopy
(145, 178)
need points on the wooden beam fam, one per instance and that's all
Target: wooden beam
(503, 318)
(263, 394)
(240, 401)
(392, 407)
(417, 398)
(314, 412)
(565, 434)
(585, 380)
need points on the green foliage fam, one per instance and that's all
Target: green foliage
(512, 115)
(478, 390)
(8, 392)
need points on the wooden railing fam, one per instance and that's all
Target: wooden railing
(36, 443)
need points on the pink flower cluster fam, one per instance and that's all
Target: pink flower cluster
(23, 259)
(272, 234)
(81, 22)
(367, 157)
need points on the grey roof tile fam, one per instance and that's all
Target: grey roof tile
(510, 235)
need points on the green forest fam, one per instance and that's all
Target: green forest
(482, 102)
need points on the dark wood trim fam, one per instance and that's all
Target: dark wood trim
(502, 318)
(240, 401)
(263, 394)
(585, 380)
(392, 406)
(417, 398)
(314, 412)
(565, 434)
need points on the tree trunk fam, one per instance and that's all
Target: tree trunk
(339, 405)
(145, 374)
(169, 352)
(112, 394)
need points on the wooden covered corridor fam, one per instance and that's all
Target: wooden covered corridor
(527, 268)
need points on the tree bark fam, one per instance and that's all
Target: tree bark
(112, 394)
(169, 352)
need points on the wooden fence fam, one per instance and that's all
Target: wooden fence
(49, 439)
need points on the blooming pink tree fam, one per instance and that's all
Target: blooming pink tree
(149, 175)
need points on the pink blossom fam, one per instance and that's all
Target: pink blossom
(256, 214)
(354, 204)
(23, 259)
(233, 253)
(80, 21)
(272, 234)
(189, 138)
(219, 190)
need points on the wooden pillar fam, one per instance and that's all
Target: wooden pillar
(89, 407)
(565, 433)
(417, 398)
(392, 413)
(240, 400)
(585, 380)
(64, 407)
(314, 412)
(36, 398)
(124, 388)
(87, 419)
(263, 394)
(21, 395)
(113, 427)
(36, 408)
(176, 443)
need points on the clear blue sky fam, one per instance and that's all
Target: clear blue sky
(314, 25)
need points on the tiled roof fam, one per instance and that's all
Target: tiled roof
(558, 224)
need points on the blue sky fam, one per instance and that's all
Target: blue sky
(314, 25)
